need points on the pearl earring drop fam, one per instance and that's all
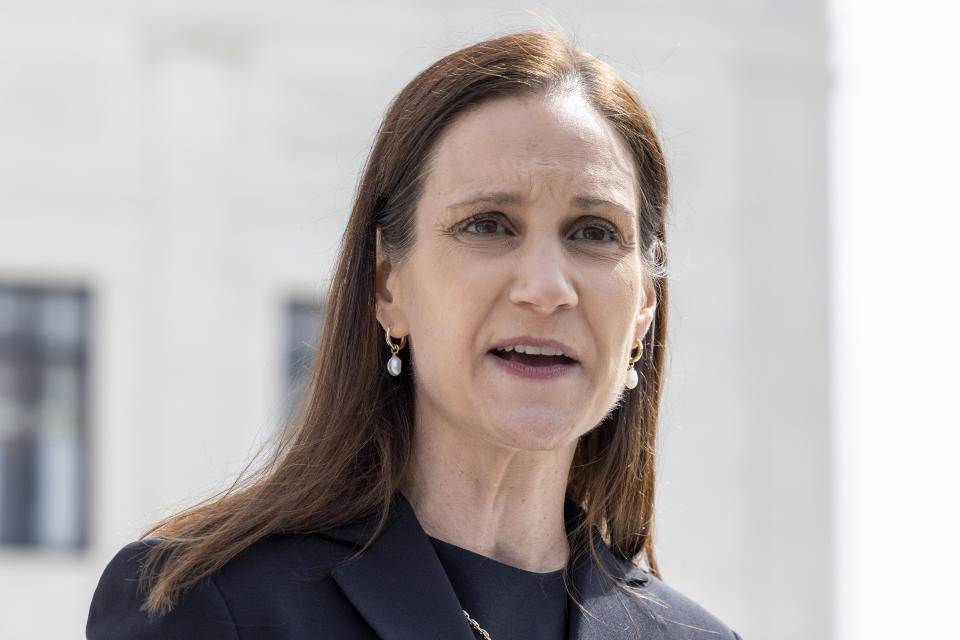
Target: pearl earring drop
(394, 364)
(633, 378)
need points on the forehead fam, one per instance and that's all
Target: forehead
(528, 144)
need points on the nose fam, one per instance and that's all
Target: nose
(542, 280)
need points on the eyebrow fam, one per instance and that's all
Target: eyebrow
(503, 197)
(498, 198)
(589, 202)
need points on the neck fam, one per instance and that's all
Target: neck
(505, 504)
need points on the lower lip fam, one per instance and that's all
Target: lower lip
(536, 373)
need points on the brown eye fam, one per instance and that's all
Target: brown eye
(484, 226)
(596, 232)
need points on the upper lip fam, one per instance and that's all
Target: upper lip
(538, 342)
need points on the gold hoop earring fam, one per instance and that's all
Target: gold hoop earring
(394, 364)
(633, 378)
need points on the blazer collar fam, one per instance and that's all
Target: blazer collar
(400, 588)
(398, 584)
(601, 610)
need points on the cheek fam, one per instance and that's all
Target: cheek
(447, 310)
(615, 303)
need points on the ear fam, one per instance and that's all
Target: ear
(648, 308)
(388, 307)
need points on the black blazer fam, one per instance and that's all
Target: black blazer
(396, 590)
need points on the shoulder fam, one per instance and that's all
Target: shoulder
(115, 611)
(618, 598)
(677, 615)
(275, 588)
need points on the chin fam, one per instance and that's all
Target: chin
(536, 429)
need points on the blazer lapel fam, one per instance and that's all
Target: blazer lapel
(599, 610)
(399, 586)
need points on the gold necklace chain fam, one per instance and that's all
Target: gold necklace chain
(476, 625)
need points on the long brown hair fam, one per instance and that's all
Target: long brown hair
(344, 452)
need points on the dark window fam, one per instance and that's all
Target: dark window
(304, 320)
(44, 335)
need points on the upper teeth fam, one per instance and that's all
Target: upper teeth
(535, 351)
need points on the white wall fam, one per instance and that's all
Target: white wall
(895, 154)
(193, 166)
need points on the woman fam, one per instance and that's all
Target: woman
(474, 456)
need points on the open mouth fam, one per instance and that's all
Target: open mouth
(532, 357)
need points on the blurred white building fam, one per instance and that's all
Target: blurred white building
(174, 178)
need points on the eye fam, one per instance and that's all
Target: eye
(484, 224)
(597, 231)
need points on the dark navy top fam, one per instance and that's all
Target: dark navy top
(509, 603)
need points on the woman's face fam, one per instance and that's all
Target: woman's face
(526, 241)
